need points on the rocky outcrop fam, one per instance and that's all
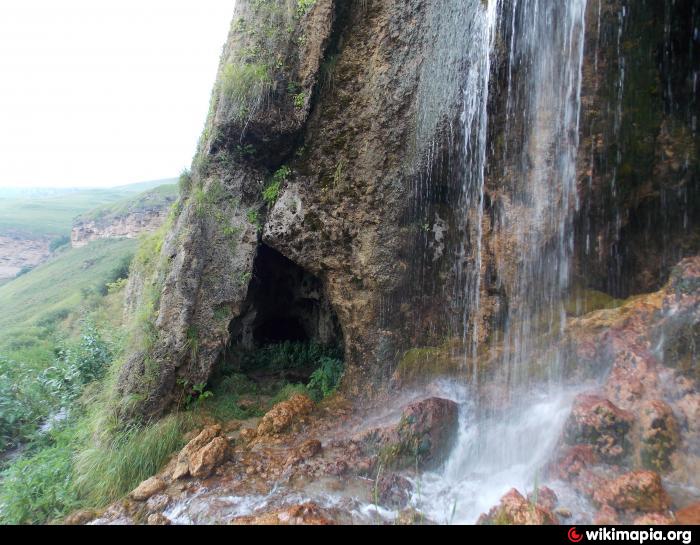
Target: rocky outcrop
(337, 152)
(18, 253)
(131, 225)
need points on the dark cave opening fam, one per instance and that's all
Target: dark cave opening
(287, 325)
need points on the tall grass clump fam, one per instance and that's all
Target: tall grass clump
(116, 463)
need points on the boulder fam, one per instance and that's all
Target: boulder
(639, 491)
(148, 488)
(595, 421)
(515, 509)
(199, 457)
(281, 417)
(422, 438)
(213, 454)
(80, 517)
(392, 491)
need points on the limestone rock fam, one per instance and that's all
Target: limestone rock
(148, 488)
(515, 509)
(203, 462)
(392, 491)
(281, 417)
(597, 422)
(202, 454)
(639, 491)
(660, 434)
(157, 519)
(689, 514)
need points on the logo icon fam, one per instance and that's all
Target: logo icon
(574, 536)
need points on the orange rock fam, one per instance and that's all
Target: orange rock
(203, 462)
(284, 414)
(636, 491)
(148, 488)
(689, 515)
(514, 509)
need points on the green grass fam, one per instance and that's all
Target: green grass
(49, 293)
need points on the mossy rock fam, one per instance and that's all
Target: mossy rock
(420, 365)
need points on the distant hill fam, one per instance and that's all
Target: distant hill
(49, 213)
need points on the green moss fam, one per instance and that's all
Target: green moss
(425, 363)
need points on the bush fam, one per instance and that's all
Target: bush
(39, 487)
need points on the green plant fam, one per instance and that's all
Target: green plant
(272, 190)
(245, 86)
(325, 380)
(299, 100)
(39, 487)
(303, 6)
(113, 463)
(185, 182)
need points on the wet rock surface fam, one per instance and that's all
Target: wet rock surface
(514, 508)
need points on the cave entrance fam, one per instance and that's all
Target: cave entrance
(287, 325)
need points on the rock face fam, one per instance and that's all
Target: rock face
(18, 252)
(320, 110)
(130, 226)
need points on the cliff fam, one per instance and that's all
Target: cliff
(127, 218)
(332, 170)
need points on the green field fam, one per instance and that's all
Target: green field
(38, 213)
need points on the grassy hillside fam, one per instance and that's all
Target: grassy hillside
(37, 300)
(36, 212)
(159, 197)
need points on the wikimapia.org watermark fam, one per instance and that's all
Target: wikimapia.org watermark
(638, 536)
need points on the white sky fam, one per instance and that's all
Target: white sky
(104, 92)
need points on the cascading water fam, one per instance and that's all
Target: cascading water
(507, 433)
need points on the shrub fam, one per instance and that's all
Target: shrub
(303, 6)
(325, 380)
(39, 487)
(185, 182)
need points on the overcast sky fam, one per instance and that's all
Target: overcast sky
(104, 92)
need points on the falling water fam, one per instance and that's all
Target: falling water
(506, 434)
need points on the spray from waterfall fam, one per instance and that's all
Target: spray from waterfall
(507, 432)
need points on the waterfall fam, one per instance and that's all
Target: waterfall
(508, 430)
